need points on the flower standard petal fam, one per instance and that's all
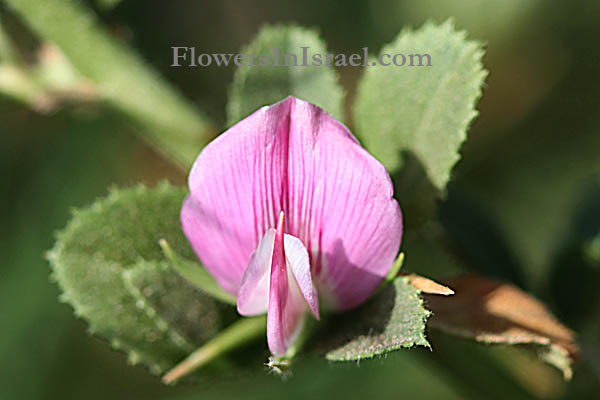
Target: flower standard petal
(340, 205)
(295, 158)
(236, 190)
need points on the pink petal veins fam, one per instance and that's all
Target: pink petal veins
(337, 198)
(235, 193)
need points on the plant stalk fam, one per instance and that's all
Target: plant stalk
(235, 335)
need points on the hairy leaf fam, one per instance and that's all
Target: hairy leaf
(423, 110)
(184, 308)
(94, 254)
(392, 320)
(257, 86)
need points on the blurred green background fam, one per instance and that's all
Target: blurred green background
(523, 204)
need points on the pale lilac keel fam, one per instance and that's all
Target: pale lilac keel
(278, 282)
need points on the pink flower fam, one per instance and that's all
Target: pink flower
(290, 214)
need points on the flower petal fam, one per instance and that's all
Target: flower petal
(236, 193)
(287, 308)
(253, 296)
(298, 261)
(296, 158)
(339, 204)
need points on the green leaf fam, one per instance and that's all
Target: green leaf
(392, 320)
(188, 311)
(257, 86)
(423, 111)
(196, 274)
(91, 260)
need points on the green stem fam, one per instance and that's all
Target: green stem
(235, 335)
(393, 273)
(163, 117)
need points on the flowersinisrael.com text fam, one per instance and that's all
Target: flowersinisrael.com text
(189, 57)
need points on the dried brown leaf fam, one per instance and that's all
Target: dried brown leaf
(489, 311)
(428, 286)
